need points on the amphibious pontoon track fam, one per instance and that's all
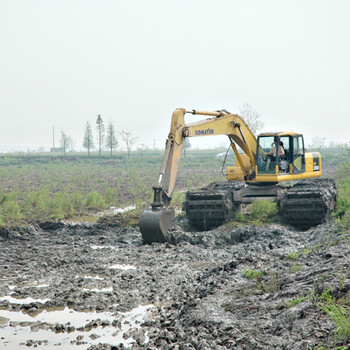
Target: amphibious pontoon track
(211, 206)
(305, 204)
(308, 203)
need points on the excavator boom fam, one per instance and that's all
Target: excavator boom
(155, 221)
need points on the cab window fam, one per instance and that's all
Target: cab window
(298, 154)
(266, 165)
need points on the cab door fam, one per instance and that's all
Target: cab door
(298, 154)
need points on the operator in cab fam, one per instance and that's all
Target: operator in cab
(271, 156)
(272, 152)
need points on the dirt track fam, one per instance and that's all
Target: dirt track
(191, 295)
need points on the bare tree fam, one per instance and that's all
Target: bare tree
(187, 146)
(317, 142)
(128, 139)
(142, 150)
(111, 139)
(252, 118)
(88, 142)
(71, 144)
(64, 142)
(101, 130)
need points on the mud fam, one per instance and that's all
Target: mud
(88, 286)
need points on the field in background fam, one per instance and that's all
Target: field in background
(45, 187)
(49, 187)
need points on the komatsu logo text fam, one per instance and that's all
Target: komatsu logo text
(204, 132)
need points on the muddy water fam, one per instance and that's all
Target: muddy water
(40, 329)
(90, 287)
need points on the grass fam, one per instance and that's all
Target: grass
(336, 308)
(296, 267)
(341, 316)
(264, 283)
(293, 255)
(261, 213)
(342, 211)
(296, 301)
(37, 187)
(321, 347)
(47, 187)
(251, 274)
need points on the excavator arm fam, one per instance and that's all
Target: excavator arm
(155, 221)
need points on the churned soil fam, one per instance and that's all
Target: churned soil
(253, 287)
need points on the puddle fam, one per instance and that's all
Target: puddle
(93, 277)
(114, 210)
(123, 267)
(16, 336)
(42, 286)
(98, 247)
(28, 300)
(34, 284)
(124, 210)
(96, 290)
(74, 318)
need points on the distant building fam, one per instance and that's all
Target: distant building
(56, 149)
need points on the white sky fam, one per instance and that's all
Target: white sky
(134, 62)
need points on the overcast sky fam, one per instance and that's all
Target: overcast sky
(134, 62)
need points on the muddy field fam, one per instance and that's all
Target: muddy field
(88, 286)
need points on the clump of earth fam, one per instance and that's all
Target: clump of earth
(94, 286)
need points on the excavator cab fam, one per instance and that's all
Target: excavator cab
(280, 154)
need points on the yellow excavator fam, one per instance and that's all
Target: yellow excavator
(261, 165)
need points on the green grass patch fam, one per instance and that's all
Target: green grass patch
(263, 210)
(177, 199)
(51, 187)
(261, 213)
(293, 255)
(251, 274)
(296, 301)
(296, 268)
(342, 211)
(341, 316)
(37, 187)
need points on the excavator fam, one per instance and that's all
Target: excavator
(262, 167)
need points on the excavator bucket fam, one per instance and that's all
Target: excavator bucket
(154, 224)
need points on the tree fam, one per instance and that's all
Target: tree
(71, 144)
(317, 142)
(187, 146)
(111, 139)
(88, 142)
(142, 150)
(100, 131)
(65, 142)
(252, 118)
(128, 139)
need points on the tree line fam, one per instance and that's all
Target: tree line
(106, 138)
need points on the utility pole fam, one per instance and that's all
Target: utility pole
(53, 137)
